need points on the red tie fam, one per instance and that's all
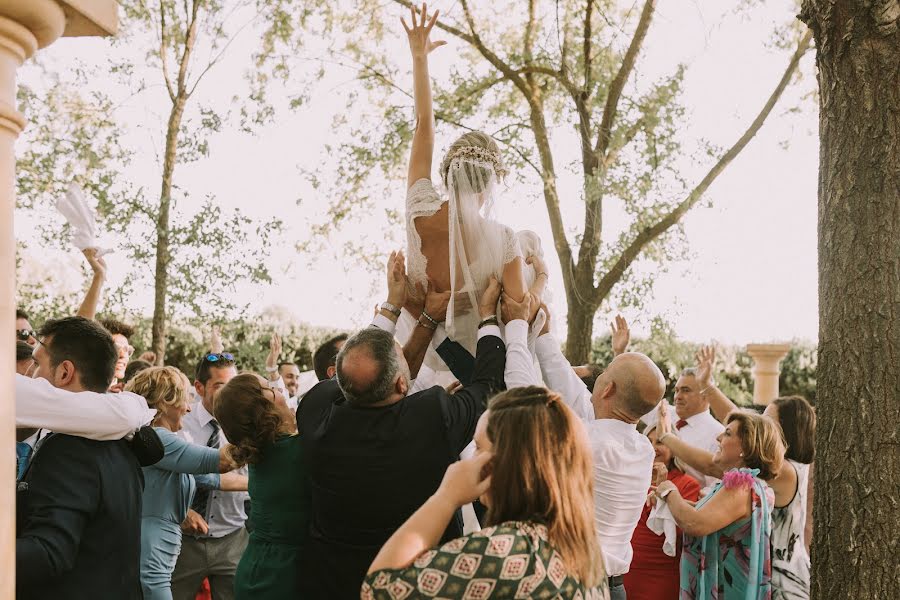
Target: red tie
(681, 423)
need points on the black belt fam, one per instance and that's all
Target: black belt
(614, 581)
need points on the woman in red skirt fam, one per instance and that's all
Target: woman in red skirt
(654, 575)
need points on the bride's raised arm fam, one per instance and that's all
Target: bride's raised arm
(420, 45)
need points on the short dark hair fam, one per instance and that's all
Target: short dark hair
(133, 368)
(21, 314)
(380, 346)
(115, 326)
(326, 356)
(287, 364)
(594, 371)
(23, 350)
(87, 344)
(797, 418)
(205, 366)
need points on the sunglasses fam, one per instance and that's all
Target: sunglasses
(24, 334)
(217, 357)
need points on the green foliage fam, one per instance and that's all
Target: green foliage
(733, 372)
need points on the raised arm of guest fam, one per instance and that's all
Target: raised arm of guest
(698, 458)
(272, 372)
(85, 414)
(88, 308)
(620, 335)
(719, 403)
(519, 363)
(466, 405)
(183, 457)
(559, 375)
(420, 46)
(215, 340)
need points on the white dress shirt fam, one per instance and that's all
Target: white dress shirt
(701, 431)
(89, 415)
(226, 509)
(623, 462)
(623, 459)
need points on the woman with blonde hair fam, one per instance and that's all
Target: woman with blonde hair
(532, 469)
(727, 553)
(170, 484)
(262, 429)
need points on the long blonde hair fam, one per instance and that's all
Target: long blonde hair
(541, 472)
(161, 387)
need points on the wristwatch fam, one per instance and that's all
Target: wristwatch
(390, 308)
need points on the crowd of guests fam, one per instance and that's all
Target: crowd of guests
(357, 488)
(470, 460)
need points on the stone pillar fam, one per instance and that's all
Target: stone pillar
(766, 368)
(25, 26)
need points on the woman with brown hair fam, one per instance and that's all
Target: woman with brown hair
(727, 554)
(654, 573)
(263, 432)
(532, 469)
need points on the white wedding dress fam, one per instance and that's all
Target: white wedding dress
(479, 248)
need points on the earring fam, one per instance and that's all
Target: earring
(742, 454)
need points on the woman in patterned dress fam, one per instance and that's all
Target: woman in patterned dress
(532, 468)
(727, 553)
(792, 514)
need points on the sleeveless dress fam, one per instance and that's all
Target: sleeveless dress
(790, 560)
(280, 489)
(733, 563)
(653, 575)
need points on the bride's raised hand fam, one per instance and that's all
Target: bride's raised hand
(420, 43)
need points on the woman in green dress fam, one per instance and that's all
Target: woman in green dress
(262, 430)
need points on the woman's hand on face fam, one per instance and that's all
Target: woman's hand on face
(420, 43)
(466, 480)
(660, 473)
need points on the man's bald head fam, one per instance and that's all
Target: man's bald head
(632, 383)
(369, 365)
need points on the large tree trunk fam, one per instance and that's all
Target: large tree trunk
(163, 257)
(857, 531)
(580, 332)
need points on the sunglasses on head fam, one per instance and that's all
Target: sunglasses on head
(24, 334)
(217, 357)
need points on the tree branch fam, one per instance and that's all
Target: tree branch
(163, 52)
(650, 233)
(588, 13)
(618, 82)
(189, 41)
(215, 60)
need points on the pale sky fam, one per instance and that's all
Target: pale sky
(752, 276)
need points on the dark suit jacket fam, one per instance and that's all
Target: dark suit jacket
(78, 512)
(372, 467)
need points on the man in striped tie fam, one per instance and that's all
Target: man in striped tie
(215, 536)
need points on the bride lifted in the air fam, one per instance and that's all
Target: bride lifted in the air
(453, 243)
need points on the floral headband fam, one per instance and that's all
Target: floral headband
(478, 154)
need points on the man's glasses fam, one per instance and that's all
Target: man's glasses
(213, 358)
(25, 334)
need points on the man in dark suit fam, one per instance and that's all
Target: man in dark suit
(78, 506)
(375, 453)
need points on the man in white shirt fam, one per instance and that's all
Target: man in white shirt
(695, 425)
(623, 459)
(215, 537)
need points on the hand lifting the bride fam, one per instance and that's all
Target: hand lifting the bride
(454, 241)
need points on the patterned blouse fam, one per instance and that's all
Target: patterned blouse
(511, 560)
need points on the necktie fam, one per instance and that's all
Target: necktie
(23, 454)
(681, 423)
(201, 498)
